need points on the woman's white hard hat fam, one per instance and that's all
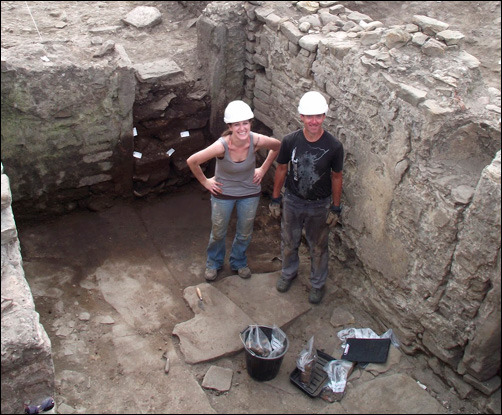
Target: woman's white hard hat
(237, 111)
(312, 103)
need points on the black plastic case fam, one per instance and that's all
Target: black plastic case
(319, 376)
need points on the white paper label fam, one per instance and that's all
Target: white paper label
(184, 134)
(137, 154)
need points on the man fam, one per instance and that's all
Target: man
(313, 189)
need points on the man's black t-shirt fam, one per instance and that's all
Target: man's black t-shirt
(310, 164)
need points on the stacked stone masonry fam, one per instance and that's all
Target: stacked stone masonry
(27, 366)
(421, 136)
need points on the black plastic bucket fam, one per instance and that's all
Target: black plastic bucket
(262, 368)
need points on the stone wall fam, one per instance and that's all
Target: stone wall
(171, 116)
(81, 133)
(221, 45)
(67, 133)
(421, 133)
(27, 366)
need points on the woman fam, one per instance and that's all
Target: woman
(236, 183)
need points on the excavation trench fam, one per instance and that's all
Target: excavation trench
(113, 228)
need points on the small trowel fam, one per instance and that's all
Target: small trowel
(199, 294)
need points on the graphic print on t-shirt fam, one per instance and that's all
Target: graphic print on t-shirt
(304, 168)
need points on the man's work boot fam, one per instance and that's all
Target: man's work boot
(315, 295)
(283, 284)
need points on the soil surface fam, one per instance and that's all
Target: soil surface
(87, 370)
(109, 287)
(70, 22)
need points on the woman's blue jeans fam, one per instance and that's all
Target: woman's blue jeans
(297, 214)
(221, 211)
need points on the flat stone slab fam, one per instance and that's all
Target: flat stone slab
(218, 378)
(157, 70)
(230, 306)
(143, 16)
(214, 331)
(260, 300)
(393, 394)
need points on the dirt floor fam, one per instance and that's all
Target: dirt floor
(75, 251)
(109, 288)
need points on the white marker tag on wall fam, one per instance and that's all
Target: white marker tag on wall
(135, 132)
(184, 134)
(170, 152)
(137, 154)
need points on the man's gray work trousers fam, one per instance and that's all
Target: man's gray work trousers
(297, 214)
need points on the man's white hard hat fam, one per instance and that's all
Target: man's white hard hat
(312, 103)
(237, 111)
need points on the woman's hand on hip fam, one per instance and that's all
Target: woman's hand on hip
(258, 175)
(213, 186)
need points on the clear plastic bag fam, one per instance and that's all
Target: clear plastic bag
(338, 372)
(277, 341)
(306, 361)
(258, 342)
(366, 333)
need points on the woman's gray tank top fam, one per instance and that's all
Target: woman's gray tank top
(237, 177)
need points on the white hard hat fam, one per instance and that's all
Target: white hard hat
(237, 111)
(312, 103)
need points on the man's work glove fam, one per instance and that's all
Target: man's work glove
(333, 215)
(275, 207)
